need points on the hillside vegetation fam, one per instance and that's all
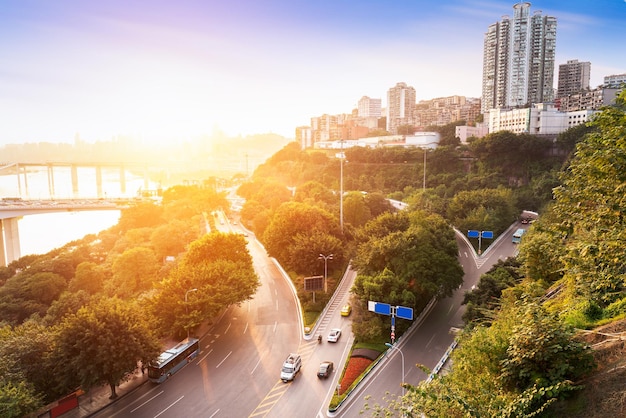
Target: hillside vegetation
(526, 350)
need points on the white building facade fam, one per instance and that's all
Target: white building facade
(541, 119)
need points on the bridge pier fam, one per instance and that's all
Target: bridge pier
(99, 181)
(51, 181)
(122, 179)
(74, 171)
(9, 241)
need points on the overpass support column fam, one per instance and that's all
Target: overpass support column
(146, 179)
(9, 240)
(99, 181)
(122, 180)
(19, 181)
(51, 181)
(74, 171)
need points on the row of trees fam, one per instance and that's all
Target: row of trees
(90, 312)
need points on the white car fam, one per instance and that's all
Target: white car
(334, 335)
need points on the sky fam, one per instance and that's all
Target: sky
(171, 70)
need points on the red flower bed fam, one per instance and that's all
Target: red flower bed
(356, 366)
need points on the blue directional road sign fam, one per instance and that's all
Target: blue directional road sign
(488, 234)
(473, 234)
(380, 308)
(404, 312)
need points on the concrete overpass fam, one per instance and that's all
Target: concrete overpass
(22, 170)
(12, 209)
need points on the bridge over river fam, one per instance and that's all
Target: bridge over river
(57, 187)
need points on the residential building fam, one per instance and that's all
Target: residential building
(615, 81)
(573, 78)
(400, 107)
(304, 137)
(518, 60)
(588, 100)
(464, 132)
(444, 110)
(540, 119)
(369, 107)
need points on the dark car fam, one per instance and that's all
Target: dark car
(326, 368)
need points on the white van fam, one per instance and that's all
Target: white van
(291, 367)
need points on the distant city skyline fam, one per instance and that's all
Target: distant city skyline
(176, 70)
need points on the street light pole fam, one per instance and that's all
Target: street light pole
(424, 183)
(325, 258)
(341, 188)
(187, 308)
(401, 355)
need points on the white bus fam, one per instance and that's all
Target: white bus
(517, 236)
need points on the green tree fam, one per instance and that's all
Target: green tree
(17, 399)
(144, 214)
(220, 267)
(485, 298)
(542, 351)
(102, 343)
(26, 294)
(295, 219)
(133, 272)
(590, 206)
(483, 210)
(355, 209)
(89, 277)
(172, 238)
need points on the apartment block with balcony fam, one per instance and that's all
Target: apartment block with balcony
(518, 60)
(573, 78)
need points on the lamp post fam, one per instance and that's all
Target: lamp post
(341, 188)
(401, 355)
(186, 307)
(325, 258)
(424, 183)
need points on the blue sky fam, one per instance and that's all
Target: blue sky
(170, 70)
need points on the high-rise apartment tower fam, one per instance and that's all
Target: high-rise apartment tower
(518, 60)
(573, 78)
(400, 107)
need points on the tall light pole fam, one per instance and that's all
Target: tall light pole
(401, 355)
(325, 258)
(187, 308)
(424, 183)
(341, 188)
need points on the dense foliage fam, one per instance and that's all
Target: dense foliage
(71, 318)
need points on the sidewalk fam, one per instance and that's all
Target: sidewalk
(97, 398)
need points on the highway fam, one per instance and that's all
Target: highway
(237, 371)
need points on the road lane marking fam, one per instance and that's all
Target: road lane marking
(227, 328)
(133, 410)
(256, 365)
(220, 363)
(214, 413)
(246, 328)
(171, 405)
(202, 359)
(275, 323)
